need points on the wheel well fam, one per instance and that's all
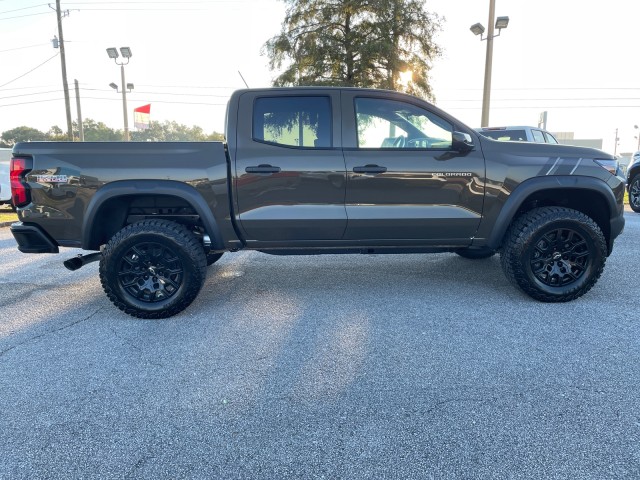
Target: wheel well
(589, 202)
(118, 212)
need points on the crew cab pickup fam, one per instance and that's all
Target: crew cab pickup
(318, 170)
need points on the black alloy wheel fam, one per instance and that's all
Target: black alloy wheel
(153, 268)
(554, 254)
(560, 257)
(150, 272)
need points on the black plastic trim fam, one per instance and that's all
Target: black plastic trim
(533, 185)
(33, 239)
(151, 187)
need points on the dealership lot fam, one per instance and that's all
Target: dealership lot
(416, 366)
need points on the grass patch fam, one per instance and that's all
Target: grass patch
(8, 217)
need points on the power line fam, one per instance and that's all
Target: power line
(543, 99)
(34, 101)
(24, 88)
(181, 86)
(22, 48)
(29, 94)
(24, 8)
(34, 68)
(23, 16)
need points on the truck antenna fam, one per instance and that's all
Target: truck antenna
(245, 82)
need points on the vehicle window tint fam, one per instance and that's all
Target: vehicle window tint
(537, 136)
(506, 135)
(550, 138)
(293, 121)
(392, 124)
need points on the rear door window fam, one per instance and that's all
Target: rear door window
(538, 136)
(303, 122)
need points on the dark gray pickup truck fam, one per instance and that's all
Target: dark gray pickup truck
(318, 170)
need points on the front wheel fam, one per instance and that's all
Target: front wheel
(634, 193)
(153, 268)
(554, 254)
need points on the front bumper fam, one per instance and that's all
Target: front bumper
(33, 239)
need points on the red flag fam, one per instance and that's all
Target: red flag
(142, 117)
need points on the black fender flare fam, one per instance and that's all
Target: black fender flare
(121, 188)
(533, 185)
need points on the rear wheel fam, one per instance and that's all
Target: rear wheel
(153, 268)
(554, 254)
(634, 194)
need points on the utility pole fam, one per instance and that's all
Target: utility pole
(65, 84)
(80, 126)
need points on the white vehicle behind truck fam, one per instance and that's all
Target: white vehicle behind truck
(5, 184)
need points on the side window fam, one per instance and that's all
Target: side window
(293, 121)
(550, 138)
(537, 136)
(391, 124)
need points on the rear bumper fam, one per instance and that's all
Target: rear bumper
(33, 239)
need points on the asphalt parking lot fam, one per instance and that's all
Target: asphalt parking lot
(415, 366)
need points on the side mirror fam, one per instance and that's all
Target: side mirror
(461, 142)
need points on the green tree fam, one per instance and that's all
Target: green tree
(56, 134)
(173, 132)
(97, 132)
(22, 134)
(360, 43)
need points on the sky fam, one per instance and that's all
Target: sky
(575, 59)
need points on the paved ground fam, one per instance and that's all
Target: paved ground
(346, 367)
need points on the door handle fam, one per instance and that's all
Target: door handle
(370, 169)
(263, 168)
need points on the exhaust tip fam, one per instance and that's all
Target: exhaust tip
(73, 264)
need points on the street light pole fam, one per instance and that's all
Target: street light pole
(486, 93)
(124, 105)
(478, 29)
(126, 54)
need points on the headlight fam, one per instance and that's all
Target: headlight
(612, 166)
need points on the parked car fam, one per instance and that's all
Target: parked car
(5, 184)
(518, 134)
(633, 182)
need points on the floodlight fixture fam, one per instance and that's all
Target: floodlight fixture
(477, 29)
(502, 22)
(112, 52)
(129, 86)
(114, 86)
(126, 51)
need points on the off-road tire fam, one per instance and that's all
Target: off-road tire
(473, 253)
(213, 258)
(153, 268)
(554, 254)
(634, 193)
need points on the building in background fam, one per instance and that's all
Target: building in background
(567, 138)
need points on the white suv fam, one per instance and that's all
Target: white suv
(5, 184)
